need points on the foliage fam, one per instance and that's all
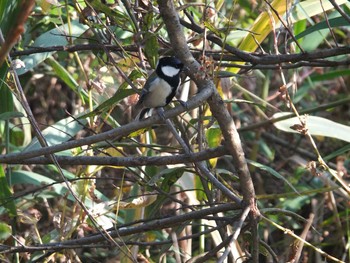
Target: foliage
(79, 65)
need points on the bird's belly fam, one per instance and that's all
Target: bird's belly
(157, 95)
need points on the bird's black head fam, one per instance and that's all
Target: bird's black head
(169, 67)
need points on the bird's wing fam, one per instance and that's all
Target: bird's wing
(146, 88)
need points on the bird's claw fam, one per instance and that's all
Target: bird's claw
(183, 104)
(160, 112)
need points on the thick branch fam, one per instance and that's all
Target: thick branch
(217, 106)
(117, 133)
(315, 58)
(270, 59)
(128, 161)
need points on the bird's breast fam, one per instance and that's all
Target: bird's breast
(157, 94)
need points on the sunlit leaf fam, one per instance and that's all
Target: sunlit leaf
(61, 131)
(310, 8)
(262, 27)
(213, 29)
(55, 189)
(55, 37)
(5, 231)
(213, 136)
(135, 74)
(109, 103)
(138, 132)
(333, 22)
(315, 125)
(142, 201)
(63, 74)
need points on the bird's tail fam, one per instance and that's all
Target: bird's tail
(144, 113)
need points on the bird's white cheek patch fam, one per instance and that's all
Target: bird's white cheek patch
(170, 71)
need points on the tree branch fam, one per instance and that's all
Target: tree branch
(131, 161)
(217, 106)
(121, 231)
(114, 134)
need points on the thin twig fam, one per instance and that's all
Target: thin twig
(114, 134)
(341, 11)
(121, 231)
(204, 170)
(44, 144)
(238, 227)
(291, 233)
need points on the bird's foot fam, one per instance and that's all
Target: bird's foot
(183, 104)
(160, 111)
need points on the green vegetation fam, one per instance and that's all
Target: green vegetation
(82, 181)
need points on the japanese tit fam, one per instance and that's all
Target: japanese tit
(160, 88)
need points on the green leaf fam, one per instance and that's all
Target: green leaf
(5, 231)
(306, 9)
(8, 15)
(170, 176)
(16, 135)
(26, 177)
(342, 150)
(151, 48)
(3, 74)
(135, 74)
(213, 136)
(6, 198)
(55, 189)
(10, 115)
(55, 37)
(67, 78)
(108, 104)
(331, 75)
(63, 74)
(333, 22)
(6, 105)
(262, 27)
(61, 131)
(272, 172)
(119, 16)
(316, 126)
(213, 29)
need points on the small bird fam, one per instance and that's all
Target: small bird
(160, 88)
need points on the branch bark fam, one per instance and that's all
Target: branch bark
(128, 230)
(217, 106)
(232, 140)
(131, 161)
(265, 61)
(114, 134)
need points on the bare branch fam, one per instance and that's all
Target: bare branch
(114, 134)
(128, 161)
(129, 230)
